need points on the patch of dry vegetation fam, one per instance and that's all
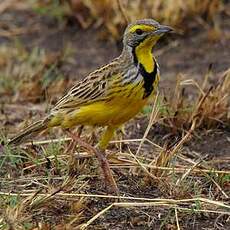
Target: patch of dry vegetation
(209, 104)
(34, 69)
(115, 14)
(49, 184)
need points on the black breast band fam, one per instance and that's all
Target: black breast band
(149, 78)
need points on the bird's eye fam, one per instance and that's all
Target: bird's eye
(139, 31)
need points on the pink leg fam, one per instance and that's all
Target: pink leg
(73, 143)
(104, 164)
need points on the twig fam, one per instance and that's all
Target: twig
(175, 169)
(177, 221)
(149, 204)
(145, 201)
(84, 226)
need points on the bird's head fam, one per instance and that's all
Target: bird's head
(139, 40)
(144, 31)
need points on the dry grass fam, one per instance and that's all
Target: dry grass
(163, 183)
(115, 14)
(209, 106)
(37, 70)
(33, 195)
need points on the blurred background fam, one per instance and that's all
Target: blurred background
(46, 46)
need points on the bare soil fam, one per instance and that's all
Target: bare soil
(191, 56)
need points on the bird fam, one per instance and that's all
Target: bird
(109, 96)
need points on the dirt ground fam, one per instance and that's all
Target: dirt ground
(190, 55)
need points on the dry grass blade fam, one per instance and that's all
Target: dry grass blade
(210, 106)
(13, 217)
(144, 200)
(50, 184)
(218, 186)
(84, 226)
(152, 120)
(142, 166)
(67, 139)
(166, 155)
(203, 211)
(181, 169)
(188, 172)
(177, 221)
(165, 203)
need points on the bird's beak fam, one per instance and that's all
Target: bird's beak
(163, 29)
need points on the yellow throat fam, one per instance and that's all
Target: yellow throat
(144, 54)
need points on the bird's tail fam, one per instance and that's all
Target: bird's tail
(29, 132)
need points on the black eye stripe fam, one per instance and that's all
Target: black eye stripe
(139, 31)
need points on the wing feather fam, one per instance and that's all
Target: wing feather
(93, 88)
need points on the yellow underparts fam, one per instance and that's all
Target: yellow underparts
(111, 113)
(144, 54)
(116, 110)
(106, 137)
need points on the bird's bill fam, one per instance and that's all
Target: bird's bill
(163, 29)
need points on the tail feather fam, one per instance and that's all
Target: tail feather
(28, 132)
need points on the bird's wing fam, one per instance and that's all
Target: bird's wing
(93, 88)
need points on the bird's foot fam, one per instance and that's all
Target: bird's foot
(104, 164)
(107, 172)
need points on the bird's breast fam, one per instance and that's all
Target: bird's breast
(122, 102)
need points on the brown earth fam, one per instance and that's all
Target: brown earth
(191, 56)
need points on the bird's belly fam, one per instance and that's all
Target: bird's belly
(106, 113)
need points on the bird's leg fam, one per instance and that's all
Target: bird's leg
(110, 182)
(100, 154)
(73, 143)
(72, 163)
